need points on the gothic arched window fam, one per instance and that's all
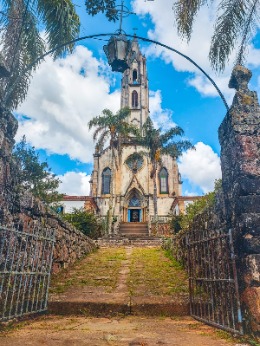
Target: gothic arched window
(135, 76)
(134, 99)
(134, 202)
(106, 179)
(163, 177)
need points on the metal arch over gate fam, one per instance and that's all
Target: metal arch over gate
(213, 285)
(25, 266)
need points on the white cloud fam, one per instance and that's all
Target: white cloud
(161, 117)
(201, 167)
(64, 95)
(74, 184)
(165, 32)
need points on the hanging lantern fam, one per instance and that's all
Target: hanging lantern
(118, 52)
(3, 70)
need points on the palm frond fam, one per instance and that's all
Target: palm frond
(123, 113)
(168, 135)
(97, 131)
(176, 149)
(22, 44)
(185, 12)
(248, 30)
(94, 122)
(103, 138)
(61, 22)
(234, 21)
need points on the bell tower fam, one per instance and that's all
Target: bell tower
(134, 87)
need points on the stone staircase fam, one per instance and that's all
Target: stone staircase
(131, 233)
(134, 230)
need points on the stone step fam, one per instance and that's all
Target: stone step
(108, 309)
(130, 241)
(135, 230)
(131, 226)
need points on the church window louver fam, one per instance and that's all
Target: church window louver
(135, 76)
(106, 179)
(134, 99)
(163, 177)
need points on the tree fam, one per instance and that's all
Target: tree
(158, 144)
(34, 175)
(104, 6)
(234, 27)
(113, 128)
(185, 221)
(85, 222)
(22, 24)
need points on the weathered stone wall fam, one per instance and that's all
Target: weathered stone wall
(19, 207)
(237, 205)
(239, 136)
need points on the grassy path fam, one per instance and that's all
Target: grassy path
(141, 271)
(99, 292)
(152, 273)
(99, 269)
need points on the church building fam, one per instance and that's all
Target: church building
(128, 189)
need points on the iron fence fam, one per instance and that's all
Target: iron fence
(213, 285)
(25, 266)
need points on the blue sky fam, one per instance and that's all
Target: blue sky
(64, 95)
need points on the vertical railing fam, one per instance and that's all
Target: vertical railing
(25, 268)
(213, 284)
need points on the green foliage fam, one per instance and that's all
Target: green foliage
(161, 143)
(176, 223)
(85, 222)
(104, 6)
(22, 42)
(195, 208)
(112, 127)
(234, 28)
(183, 221)
(158, 144)
(34, 175)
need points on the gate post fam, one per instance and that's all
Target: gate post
(239, 136)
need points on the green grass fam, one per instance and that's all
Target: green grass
(97, 269)
(153, 273)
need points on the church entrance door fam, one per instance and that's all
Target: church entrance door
(134, 215)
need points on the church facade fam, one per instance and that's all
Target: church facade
(128, 189)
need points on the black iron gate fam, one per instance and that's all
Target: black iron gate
(213, 286)
(25, 266)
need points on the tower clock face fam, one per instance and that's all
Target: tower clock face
(134, 162)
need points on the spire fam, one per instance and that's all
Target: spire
(134, 90)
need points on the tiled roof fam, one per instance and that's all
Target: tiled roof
(76, 198)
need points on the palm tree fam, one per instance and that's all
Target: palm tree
(113, 128)
(158, 144)
(234, 27)
(23, 25)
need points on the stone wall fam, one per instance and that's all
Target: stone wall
(18, 207)
(237, 204)
(239, 136)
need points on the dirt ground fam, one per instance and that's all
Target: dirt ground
(118, 297)
(124, 331)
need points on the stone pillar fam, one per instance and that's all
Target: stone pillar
(239, 136)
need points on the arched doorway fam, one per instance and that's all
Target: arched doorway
(135, 210)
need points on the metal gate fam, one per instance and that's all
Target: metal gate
(25, 266)
(213, 286)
